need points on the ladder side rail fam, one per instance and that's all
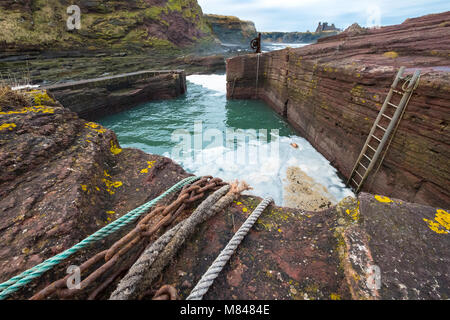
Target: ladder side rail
(391, 126)
(374, 127)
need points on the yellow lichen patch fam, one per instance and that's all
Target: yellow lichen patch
(353, 213)
(383, 199)
(34, 109)
(8, 126)
(441, 223)
(110, 212)
(111, 184)
(391, 54)
(335, 296)
(357, 91)
(244, 209)
(150, 165)
(115, 149)
(95, 126)
(41, 97)
(84, 187)
(239, 203)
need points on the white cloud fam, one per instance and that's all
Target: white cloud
(299, 15)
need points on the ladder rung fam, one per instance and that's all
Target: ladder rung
(376, 138)
(393, 105)
(384, 129)
(372, 148)
(362, 165)
(386, 116)
(355, 182)
(359, 174)
(397, 92)
(367, 157)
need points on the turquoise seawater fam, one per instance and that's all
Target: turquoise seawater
(200, 122)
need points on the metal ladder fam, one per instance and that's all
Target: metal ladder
(383, 127)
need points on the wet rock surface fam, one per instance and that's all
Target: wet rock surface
(95, 98)
(332, 91)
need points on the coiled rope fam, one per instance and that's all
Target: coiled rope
(213, 272)
(157, 256)
(15, 283)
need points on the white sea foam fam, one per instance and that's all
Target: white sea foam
(268, 175)
(28, 86)
(215, 82)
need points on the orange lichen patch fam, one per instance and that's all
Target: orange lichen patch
(95, 126)
(441, 223)
(9, 126)
(35, 109)
(150, 165)
(383, 199)
(115, 149)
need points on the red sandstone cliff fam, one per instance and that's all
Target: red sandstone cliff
(332, 91)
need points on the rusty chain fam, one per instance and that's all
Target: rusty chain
(141, 235)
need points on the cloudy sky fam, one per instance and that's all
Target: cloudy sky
(302, 15)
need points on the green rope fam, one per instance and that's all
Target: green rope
(15, 283)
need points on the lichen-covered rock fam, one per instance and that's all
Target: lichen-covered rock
(105, 25)
(372, 247)
(63, 178)
(332, 91)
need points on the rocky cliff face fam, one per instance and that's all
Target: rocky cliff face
(294, 37)
(105, 25)
(232, 30)
(332, 91)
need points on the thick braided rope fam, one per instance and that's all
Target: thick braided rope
(26, 277)
(213, 272)
(156, 257)
(127, 285)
